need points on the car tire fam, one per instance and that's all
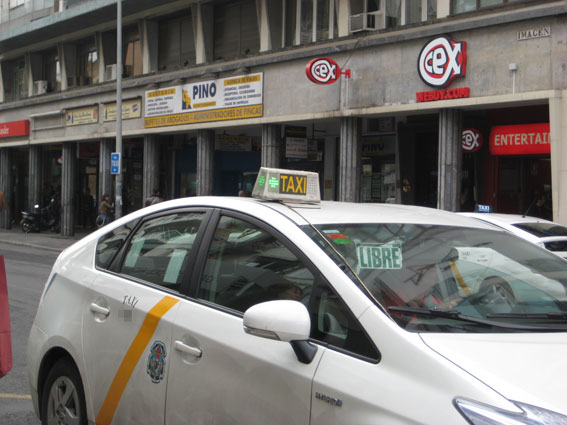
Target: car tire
(63, 398)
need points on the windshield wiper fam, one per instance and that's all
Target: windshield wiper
(456, 315)
(558, 315)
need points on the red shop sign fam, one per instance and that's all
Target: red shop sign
(324, 71)
(472, 140)
(526, 139)
(15, 128)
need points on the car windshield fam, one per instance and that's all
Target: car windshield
(433, 278)
(542, 230)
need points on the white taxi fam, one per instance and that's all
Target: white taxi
(268, 310)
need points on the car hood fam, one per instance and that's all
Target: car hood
(529, 368)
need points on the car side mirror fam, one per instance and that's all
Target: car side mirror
(282, 320)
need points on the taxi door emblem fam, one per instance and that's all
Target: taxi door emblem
(156, 362)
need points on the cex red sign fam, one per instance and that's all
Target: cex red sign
(472, 140)
(323, 71)
(526, 139)
(441, 61)
(15, 128)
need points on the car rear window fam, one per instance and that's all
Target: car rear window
(542, 230)
(557, 246)
(109, 245)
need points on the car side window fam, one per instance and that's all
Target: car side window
(246, 265)
(333, 323)
(109, 245)
(160, 248)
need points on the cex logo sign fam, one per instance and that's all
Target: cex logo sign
(441, 61)
(323, 71)
(472, 140)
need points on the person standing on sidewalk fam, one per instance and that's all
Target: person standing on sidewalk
(105, 210)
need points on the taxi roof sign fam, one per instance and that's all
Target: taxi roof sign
(277, 184)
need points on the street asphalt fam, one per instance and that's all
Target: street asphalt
(43, 240)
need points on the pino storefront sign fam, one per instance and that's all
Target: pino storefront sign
(324, 71)
(472, 140)
(15, 128)
(439, 63)
(525, 139)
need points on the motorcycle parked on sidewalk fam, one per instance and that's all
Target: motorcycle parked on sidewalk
(46, 218)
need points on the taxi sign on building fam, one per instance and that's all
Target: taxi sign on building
(287, 185)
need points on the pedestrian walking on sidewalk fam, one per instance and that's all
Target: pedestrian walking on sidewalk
(105, 210)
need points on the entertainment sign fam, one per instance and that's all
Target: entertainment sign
(527, 139)
(216, 100)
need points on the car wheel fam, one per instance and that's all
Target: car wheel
(63, 398)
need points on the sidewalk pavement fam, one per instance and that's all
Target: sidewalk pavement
(44, 240)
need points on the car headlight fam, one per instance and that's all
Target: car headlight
(481, 414)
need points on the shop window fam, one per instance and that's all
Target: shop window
(16, 3)
(379, 14)
(176, 43)
(14, 81)
(463, 6)
(132, 51)
(50, 73)
(236, 30)
(87, 66)
(317, 20)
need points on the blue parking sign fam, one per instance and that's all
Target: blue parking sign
(115, 163)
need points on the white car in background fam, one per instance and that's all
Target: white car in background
(547, 234)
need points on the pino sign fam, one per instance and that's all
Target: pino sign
(324, 71)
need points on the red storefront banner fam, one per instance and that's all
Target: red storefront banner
(15, 128)
(526, 139)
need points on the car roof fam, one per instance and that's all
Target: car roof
(506, 218)
(328, 212)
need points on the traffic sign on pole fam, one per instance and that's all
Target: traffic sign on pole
(115, 163)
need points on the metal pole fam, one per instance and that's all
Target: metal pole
(119, 176)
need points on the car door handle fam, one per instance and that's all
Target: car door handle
(188, 349)
(98, 309)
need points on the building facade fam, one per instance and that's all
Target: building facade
(441, 103)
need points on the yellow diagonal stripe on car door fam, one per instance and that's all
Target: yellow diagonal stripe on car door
(131, 358)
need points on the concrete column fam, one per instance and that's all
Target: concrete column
(104, 176)
(558, 130)
(202, 16)
(6, 186)
(34, 177)
(205, 162)
(271, 143)
(1, 84)
(149, 36)
(329, 177)
(264, 25)
(68, 177)
(450, 159)
(151, 165)
(350, 153)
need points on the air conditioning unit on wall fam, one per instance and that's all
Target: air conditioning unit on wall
(39, 87)
(369, 21)
(110, 72)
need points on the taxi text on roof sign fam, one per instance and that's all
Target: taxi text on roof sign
(287, 185)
